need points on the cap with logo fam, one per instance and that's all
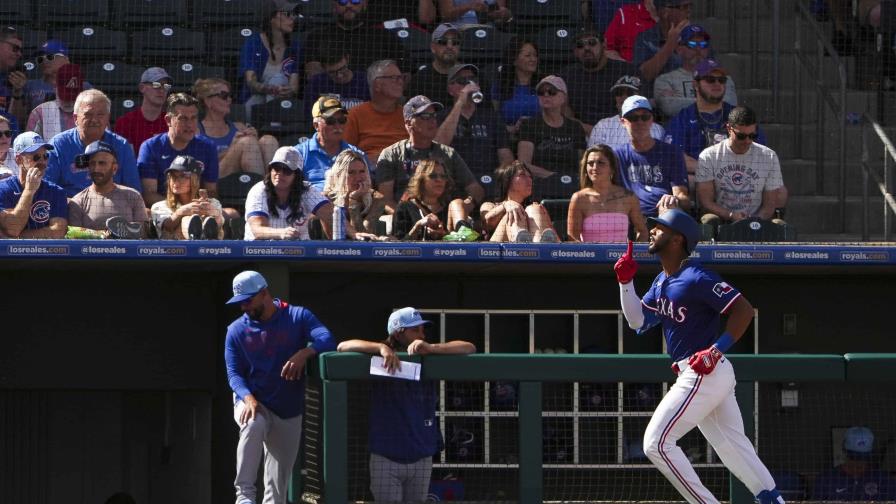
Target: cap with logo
(691, 31)
(29, 142)
(245, 285)
(326, 105)
(154, 74)
(186, 164)
(419, 104)
(553, 80)
(404, 318)
(627, 81)
(83, 160)
(858, 440)
(456, 69)
(708, 66)
(69, 82)
(635, 102)
(442, 29)
(53, 46)
(287, 156)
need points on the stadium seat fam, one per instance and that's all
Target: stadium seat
(32, 40)
(93, 43)
(483, 44)
(62, 13)
(534, 14)
(224, 46)
(16, 12)
(756, 230)
(555, 47)
(123, 104)
(166, 44)
(316, 11)
(416, 42)
(113, 77)
(280, 117)
(557, 208)
(232, 189)
(222, 13)
(185, 73)
(149, 12)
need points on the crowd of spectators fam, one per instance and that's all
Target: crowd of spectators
(446, 147)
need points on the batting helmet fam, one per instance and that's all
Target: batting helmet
(680, 221)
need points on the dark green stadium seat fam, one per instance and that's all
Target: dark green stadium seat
(232, 189)
(534, 14)
(557, 208)
(224, 46)
(224, 13)
(69, 12)
(756, 230)
(122, 104)
(163, 44)
(94, 43)
(185, 73)
(280, 117)
(555, 45)
(113, 77)
(482, 45)
(17, 12)
(128, 13)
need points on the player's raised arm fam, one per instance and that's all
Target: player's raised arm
(625, 269)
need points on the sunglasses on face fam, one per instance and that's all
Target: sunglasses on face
(590, 42)
(448, 41)
(714, 80)
(159, 85)
(6, 133)
(639, 117)
(547, 92)
(47, 57)
(744, 136)
(40, 157)
(346, 2)
(224, 95)
(333, 120)
(437, 176)
(693, 44)
(426, 116)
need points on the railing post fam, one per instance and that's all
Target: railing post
(531, 474)
(865, 168)
(776, 57)
(820, 122)
(744, 393)
(335, 413)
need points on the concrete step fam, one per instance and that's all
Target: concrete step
(783, 138)
(739, 37)
(821, 215)
(742, 10)
(739, 65)
(761, 101)
(800, 177)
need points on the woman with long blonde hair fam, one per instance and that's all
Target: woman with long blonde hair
(187, 212)
(349, 188)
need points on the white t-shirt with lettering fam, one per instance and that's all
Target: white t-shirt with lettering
(740, 179)
(257, 205)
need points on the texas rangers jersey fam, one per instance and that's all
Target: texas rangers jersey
(688, 304)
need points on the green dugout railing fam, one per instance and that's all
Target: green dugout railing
(337, 369)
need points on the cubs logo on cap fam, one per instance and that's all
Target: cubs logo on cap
(245, 285)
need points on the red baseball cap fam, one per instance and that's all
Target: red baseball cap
(69, 82)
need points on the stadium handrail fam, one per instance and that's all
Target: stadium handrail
(883, 183)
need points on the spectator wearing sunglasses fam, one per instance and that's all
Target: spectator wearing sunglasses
(588, 79)
(628, 22)
(12, 78)
(738, 178)
(55, 116)
(702, 124)
(239, 148)
(431, 80)
(31, 207)
(610, 131)
(7, 157)
(474, 130)
(353, 34)
(318, 153)
(654, 52)
(651, 169)
(340, 78)
(50, 58)
(142, 123)
(676, 90)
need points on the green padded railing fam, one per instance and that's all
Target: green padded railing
(337, 369)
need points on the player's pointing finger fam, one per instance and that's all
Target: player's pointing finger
(628, 251)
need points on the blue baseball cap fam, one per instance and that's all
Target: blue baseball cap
(404, 318)
(246, 285)
(708, 66)
(678, 220)
(691, 31)
(29, 142)
(858, 440)
(53, 46)
(83, 160)
(635, 102)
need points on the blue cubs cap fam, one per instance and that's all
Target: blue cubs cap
(246, 285)
(404, 318)
(53, 46)
(678, 220)
(707, 67)
(635, 102)
(29, 142)
(858, 440)
(691, 31)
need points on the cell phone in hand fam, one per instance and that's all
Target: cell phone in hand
(203, 194)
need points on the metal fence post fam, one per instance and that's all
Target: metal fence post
(335, 411)
(531, 473)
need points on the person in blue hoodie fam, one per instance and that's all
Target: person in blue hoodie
(265, 351)
(404, 430)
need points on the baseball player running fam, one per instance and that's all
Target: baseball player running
(687, 299)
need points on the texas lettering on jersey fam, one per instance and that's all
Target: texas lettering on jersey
(666, 307)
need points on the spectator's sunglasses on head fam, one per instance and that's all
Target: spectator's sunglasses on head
(448, 41)
(646, 116)
(713, 79)
(743, 136)
(590, 42)
(346, 2)
(332, 121)
(47, 57)
(6, 133)
(224, 95)
(547, 91)
(694, 44)
(159, 85)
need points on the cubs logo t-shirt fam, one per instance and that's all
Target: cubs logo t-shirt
(48, 202)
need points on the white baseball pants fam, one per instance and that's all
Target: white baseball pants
(278, 440)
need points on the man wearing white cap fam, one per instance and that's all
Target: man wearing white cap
(265, 352)
(404, 430)
(610, 131)
(139, 125)
(31, 207)
(857, 478)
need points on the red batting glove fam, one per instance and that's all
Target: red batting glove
(626, 267)
(704, 361)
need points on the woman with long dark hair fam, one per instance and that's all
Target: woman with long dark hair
(514, 217)
(281, 206)
(517, 76)
(269, 58)
(424, 216)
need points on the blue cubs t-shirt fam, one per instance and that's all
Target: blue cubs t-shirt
(409, 408)
(651, 174)
(48, 202)
(693, 131)
(688, 305)
(156, 155)
(61, 169)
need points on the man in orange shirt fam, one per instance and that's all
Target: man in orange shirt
(378, 123)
